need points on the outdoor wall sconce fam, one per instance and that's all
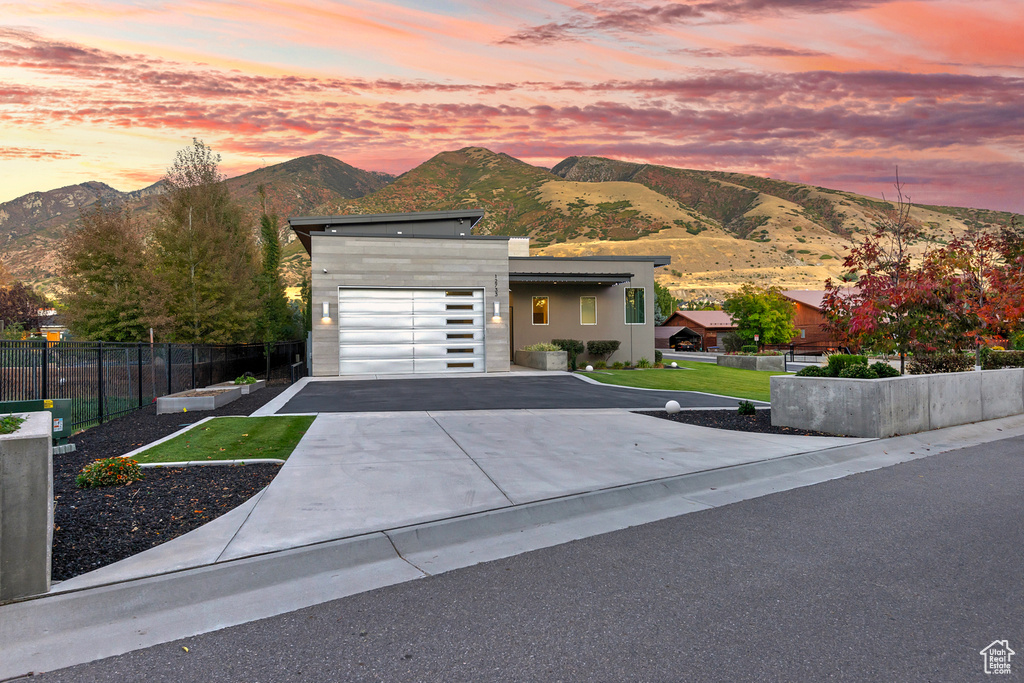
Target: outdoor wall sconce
(327, 311)
(496, 318)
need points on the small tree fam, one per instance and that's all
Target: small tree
(275, 315)
(762, 312)
(572, 348)
(886, 310)
(664, 303)
(105, 271)
(19, 305)
(603, 348)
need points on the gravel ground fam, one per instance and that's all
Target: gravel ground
(730, 419)
(96, 527)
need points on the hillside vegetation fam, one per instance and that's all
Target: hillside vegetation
(721, 229)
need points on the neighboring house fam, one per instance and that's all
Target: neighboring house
(419, 293)
(667, 337)
(809, 319)
(708, 325)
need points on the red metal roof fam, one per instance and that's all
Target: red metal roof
(707, 319)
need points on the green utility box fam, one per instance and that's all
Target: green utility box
(59, 408)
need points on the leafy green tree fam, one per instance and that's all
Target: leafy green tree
(105, 271)
(275, 316)
(204, 254)
(762, 312)
(665, 303)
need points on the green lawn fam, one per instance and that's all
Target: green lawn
(232, 438)
(706, 377)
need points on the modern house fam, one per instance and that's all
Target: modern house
(419, 293)
(707, 325)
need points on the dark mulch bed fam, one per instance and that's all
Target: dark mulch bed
(96, 527)
(729, 419)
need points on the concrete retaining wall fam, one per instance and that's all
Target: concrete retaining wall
(246, 388)
(896, 405)
(26, 508)
(543, 360)
(763, 363)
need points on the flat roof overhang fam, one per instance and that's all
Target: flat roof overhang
(304, 225)
(603, 279)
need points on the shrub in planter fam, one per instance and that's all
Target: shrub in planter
(658, 356)
(838, 361)
(617, 365)
(1002, 359)
(108, 472)
(572, 348)
(858, 372)
(10, 423)
(643, 363)
(932, 363)
(600, 365)
(247, 378)
(748, 348)
(542, 346)
(746, 408)
(602, 348)
(731, 342)
(884, 369)
(814, 371)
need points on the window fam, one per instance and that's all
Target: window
(588, 310)
(635, 309)
(540, 310)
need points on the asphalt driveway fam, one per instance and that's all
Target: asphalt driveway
(484, 393)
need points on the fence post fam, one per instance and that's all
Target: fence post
(138, 349)
(99, 379)
(46, 374)
(193, 366)
(167, 348)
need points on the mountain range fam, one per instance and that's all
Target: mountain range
(721, 229)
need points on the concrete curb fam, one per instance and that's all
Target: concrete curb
(132, 454)
(678, 391)
(208, 463)
(275, 404)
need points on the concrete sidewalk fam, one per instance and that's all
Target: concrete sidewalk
(373, 499)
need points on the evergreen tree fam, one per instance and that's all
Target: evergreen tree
(665, 303)
(275, 315)
(105, 272)
(204, 254)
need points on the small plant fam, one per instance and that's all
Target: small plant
(858, 372)
(884, 369)
(731, 342)
(109, 472)
(599, 365)
(746, 408)
(247, 378)
(643, 363)
(617, 365)
(541, 346)
(10, 423)
(838, 361)
(814, 371)
(572, 348)
(748, 348)
(658, 356)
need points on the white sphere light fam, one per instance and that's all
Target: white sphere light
(674, 364)
(590, 368)
(672, 407)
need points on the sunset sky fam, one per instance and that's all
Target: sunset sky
(830, 92)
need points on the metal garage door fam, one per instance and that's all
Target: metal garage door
(396, 331)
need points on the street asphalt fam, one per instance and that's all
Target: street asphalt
(480, 393)
(901, 573)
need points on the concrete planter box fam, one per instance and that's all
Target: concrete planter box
(543, 360)
(763, 363)
(26, 507)
(896, 405)
(175, 403)
(246, 388)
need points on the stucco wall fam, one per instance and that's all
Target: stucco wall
(637, 341)
(408, 263)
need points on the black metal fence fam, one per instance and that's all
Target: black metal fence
(109, 379)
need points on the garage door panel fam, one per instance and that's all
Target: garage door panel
(393, 331)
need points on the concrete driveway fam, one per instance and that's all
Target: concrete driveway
(554, 391)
